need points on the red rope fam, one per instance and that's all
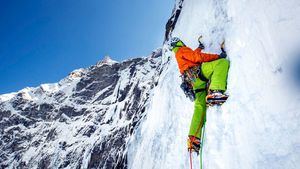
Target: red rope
(191, 160)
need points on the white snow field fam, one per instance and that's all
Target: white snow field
(258, 127)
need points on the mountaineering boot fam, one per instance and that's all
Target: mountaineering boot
(216, 97)
(194, 144)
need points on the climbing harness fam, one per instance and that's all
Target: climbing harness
(194, 72)
(189, 77)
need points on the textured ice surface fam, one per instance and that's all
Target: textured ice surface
(258, 127)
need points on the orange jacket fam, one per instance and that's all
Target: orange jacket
(187, 58)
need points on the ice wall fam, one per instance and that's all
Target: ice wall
(259, 126)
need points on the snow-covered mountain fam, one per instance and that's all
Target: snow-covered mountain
(134, 115)
(84, 121)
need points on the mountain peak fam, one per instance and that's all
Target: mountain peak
(106, 61)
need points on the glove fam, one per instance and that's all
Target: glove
(223, 55)
(201, 46)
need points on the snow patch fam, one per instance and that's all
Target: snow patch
(7, 97)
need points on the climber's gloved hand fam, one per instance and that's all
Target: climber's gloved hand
(201, 46)
(223, 54)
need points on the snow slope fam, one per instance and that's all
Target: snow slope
(258, 127)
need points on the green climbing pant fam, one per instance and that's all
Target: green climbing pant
(217, 72)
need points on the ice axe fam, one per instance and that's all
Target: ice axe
(199, 39)
(223, 46)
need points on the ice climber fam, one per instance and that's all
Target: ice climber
(199, 69)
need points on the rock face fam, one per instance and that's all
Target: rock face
(84, 121)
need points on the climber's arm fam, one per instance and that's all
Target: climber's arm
(205, 57)
(197, 56)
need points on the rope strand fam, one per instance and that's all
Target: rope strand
(191, 160)
(202, 142)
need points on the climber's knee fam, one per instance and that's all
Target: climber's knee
(224, 62)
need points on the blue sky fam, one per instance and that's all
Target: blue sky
(44, 40)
